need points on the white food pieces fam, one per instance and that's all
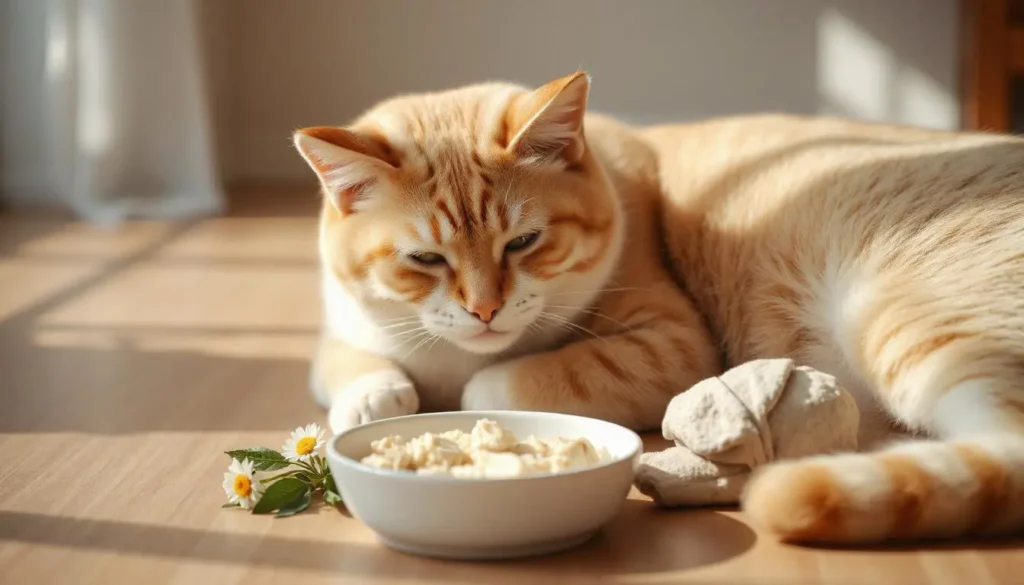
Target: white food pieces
(487, 451)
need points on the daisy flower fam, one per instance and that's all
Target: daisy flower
(240, 484)
(304, 443)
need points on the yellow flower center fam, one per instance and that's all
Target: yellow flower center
(243, 485)
(305, 445)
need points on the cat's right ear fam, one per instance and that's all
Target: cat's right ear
(350, 165)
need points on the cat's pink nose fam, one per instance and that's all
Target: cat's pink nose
(485, 310)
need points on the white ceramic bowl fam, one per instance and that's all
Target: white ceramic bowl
(485, 518)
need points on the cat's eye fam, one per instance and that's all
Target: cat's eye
(522, 242)
(427, 258)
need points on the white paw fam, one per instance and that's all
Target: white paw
(372, 397)
(489, 389)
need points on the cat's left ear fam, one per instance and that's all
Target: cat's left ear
(547, 123)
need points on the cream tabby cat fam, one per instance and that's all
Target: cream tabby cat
(480, 251)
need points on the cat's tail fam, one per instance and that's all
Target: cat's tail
(916, 490)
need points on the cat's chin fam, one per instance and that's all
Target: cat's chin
(488, 342)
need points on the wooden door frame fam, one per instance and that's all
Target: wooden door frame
(990, 53)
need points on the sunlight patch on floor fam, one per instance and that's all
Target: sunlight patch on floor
(252, 344)
(213, 296)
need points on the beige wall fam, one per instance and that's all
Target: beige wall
(280, 65)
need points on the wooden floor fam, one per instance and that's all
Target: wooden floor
(131, 359)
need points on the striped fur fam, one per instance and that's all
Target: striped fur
(461, 175)
(891, 257)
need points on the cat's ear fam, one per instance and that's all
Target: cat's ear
(350, 165)
(547, 123)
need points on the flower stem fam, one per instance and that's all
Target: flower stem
(282, 475)
(305, 465)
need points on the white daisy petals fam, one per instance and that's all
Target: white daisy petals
(240, 484)
(304, 443)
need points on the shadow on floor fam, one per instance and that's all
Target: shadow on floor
(642, 540)
(120, 388)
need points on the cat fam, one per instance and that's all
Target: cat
(497, 247)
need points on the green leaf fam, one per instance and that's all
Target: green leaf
(298, 505)
(332, 498)
(280, 494)
(263, 459)
(231, 505)
(331, 495)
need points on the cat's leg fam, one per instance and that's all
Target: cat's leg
(954, 379)
(626, 377)
(357, 386)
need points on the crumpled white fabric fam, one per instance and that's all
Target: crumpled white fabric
(726, 426)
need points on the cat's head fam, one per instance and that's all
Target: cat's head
(476, 209)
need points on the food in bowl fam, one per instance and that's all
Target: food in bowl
(444, 516)
(488, 451)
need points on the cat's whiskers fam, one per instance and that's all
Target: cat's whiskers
(430, 337)
(535, 326)
(593, 312)
(556, 318)
(417, 337)
(436, 339)
(403, 323)
(599, 291)
(409, 335)
(411, 327)
(396, 319)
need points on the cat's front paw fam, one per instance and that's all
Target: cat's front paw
(490, 389)
(372, 397)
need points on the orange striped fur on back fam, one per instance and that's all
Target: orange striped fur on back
(890, 257)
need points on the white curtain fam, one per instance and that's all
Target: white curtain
(105, 109)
